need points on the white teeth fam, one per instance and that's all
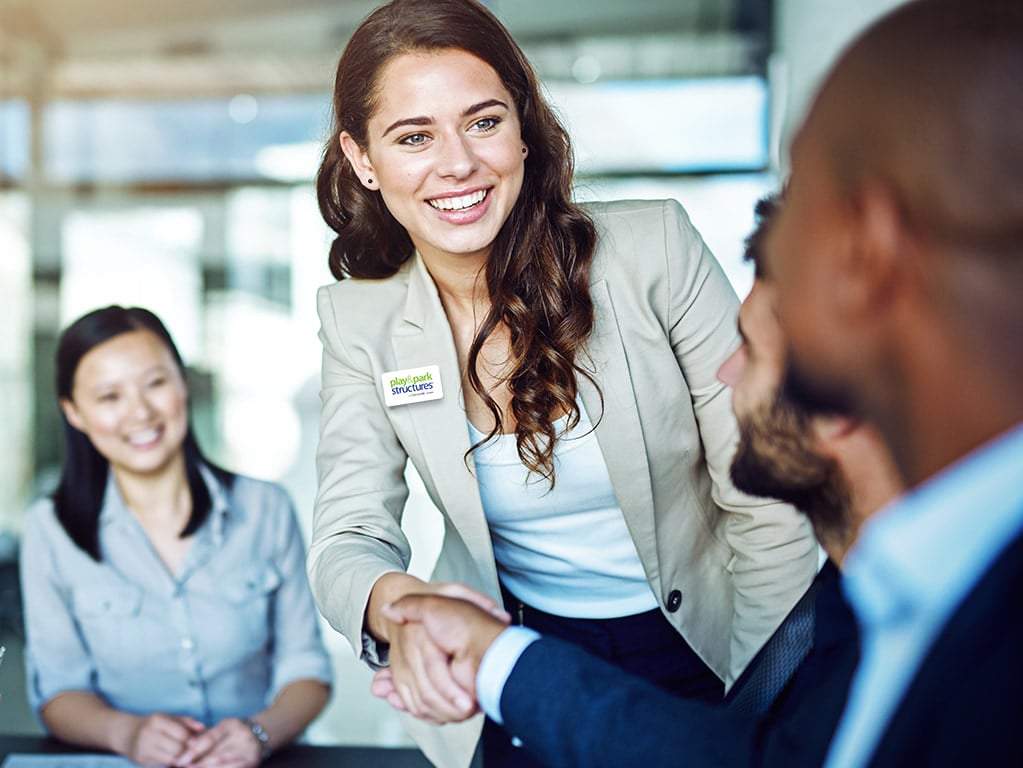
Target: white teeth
(459, 203)
(148, 436)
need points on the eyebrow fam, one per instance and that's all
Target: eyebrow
(420, 121)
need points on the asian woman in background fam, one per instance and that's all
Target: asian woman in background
(167, 611)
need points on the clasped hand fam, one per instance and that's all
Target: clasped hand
(437, 643)
(183, 742)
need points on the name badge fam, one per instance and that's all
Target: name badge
(413, 385)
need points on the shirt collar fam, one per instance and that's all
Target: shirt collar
(926, 550)
(115, 511)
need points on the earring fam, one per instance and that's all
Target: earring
(369, 181)
(524, 150)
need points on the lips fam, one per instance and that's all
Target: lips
(461, 202)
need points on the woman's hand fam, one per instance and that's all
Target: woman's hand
(228, 744)
(160, 739)
(419, 680)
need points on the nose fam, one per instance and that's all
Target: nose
(141, 407)
(457, 158)
(731, 370)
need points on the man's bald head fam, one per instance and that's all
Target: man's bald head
(930, 100)
(898, 256)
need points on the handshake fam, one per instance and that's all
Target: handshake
(437, 643)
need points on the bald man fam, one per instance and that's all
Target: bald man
(898, 264)
(572, 709)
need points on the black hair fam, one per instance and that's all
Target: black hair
(763, 214)
(78, 498)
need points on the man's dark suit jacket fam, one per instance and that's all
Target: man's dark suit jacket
(965, 705)
(572, 709)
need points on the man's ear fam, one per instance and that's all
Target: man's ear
(359, 159)
(829, 430)
(875, 267)
(71, 414)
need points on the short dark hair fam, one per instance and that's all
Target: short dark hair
(763, 213)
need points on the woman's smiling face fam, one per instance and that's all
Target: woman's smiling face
(130, 400)
(445, 150)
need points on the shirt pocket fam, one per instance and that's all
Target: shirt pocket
(248, 596)
(107, 615)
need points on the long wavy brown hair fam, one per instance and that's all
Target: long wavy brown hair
(537, 275)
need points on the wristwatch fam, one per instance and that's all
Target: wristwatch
(261, 736)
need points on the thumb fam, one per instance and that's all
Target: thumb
(403, 611)
(481, 601)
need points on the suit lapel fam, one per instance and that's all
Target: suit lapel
(960, 680)
(440, 425)
(619, 433)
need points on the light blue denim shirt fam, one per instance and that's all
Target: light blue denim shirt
(911, 567)
(219, 639)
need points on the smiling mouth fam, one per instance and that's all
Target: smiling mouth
(144, 438)
(460, 203)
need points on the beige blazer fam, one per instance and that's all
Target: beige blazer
(665, 320)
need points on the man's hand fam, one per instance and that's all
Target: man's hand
(459, 629)
(420, 676)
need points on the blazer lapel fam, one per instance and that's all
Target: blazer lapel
(440, 425)
(619, 432)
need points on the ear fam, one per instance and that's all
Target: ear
(359, 158)
(877, 251)
(71, 414)
(833, 436)
(830, 428)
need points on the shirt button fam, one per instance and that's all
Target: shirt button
(674, 601)
(186, 643)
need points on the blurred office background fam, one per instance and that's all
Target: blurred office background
(162, 154)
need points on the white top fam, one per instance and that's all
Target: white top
(565, 551)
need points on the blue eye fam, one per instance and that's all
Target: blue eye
(413, 140)
(486, 124)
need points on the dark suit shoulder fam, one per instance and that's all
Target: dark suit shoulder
(964, 707)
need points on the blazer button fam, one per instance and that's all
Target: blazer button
(674, 601)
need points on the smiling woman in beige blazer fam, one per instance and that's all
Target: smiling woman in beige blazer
(480, 315)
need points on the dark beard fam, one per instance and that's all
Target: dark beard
(805, 393)
(776, 458)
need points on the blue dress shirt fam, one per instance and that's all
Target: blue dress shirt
(911, 567)
(497, 665)
(218, 639)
